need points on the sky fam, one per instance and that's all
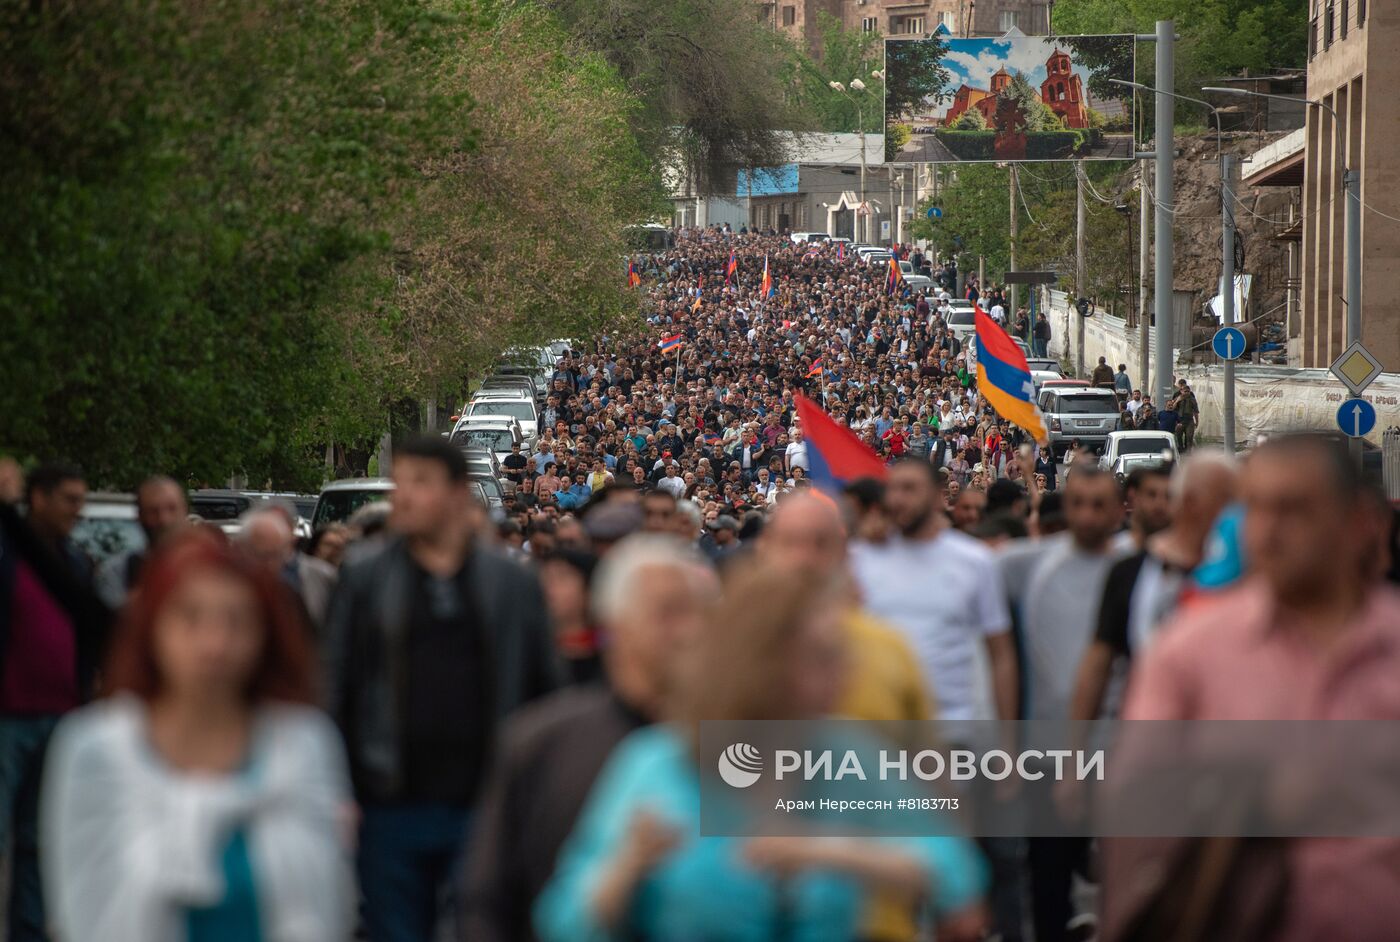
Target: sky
(972, 61)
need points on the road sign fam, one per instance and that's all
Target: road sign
(935, 213)
(1228, 343)
(1356, 417)
(1030, 277)
(1356, 368)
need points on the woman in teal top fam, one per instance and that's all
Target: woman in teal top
(636, 865)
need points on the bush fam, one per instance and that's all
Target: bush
(968, 145)
(1053, 145)
(899, 135)
(1120, 123)
(970, 120)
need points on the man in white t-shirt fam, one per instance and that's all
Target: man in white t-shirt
(795, 456)
(998, 313)
(943, 590)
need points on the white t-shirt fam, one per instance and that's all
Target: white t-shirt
(945, 596)
(797, 455)
(998, 313)
(674, 486)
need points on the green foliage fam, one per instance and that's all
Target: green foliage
(899, 135)
(1218, 37)
(712, 79)
(1033, 114)
(1053, 145)
(970, 120)
(842, 55)
(228, 242)
(967, 145)
(914, 73)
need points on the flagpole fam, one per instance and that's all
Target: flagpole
(678, 367)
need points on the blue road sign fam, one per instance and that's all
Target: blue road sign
(1356, 417)
(1228, 343)
(935, 213)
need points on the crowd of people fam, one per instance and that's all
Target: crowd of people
(431, 722)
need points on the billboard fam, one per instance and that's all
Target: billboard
(1014, 98)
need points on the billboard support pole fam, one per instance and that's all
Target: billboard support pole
(1080, 287)
(1144, 318)
(1164, 128)
(1011, 301)
(1227, 240)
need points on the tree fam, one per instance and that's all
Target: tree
(1036, 115)
(842, 55)
(914, 75)
(713, 80)
(970, 120)
(228, 242)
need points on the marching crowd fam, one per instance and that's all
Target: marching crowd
(431, 723)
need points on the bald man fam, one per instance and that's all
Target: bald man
(268, 537)
(1143, 589)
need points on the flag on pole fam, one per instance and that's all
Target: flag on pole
(731, 266)
(672, 342)
(634, 280)
(836, 455)
(841, 251)
(696, 306)
(895, 274)
(1004, 377)
(766, 290)
(816, 369)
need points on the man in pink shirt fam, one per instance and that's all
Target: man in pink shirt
(1311, 633)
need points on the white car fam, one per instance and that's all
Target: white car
(507, 404)
(1040, 377)
(918, 282)
(340, 499)
(1140, 442)
(498, 433)
(800, 237)
(962, 323)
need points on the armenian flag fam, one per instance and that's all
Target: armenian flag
(696, 306)
(835, 454)
(818, 365)
(841, 251)
(634, 280)
(766, 291)
(731, 266)
(670, 343)
(895, 275)
(1004, 377)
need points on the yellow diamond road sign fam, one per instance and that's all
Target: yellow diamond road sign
(1357, 368)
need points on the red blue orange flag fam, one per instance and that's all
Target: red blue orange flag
(835, 454)
(1004, 377)
(816, 369)
(766, 290)
(634, 280)
(841, 251)
(672, 342)
(731, 266)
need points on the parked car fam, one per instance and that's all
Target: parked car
(492, 494)
(480, 459)
(506, 403)
(1040, 377)
(491, 432)
(1160, 446)
(1086, 414)
(919, 282)
(107, 526)
(1125, 465)
(223, 508)
(340, 499)
(1065, 382)
(800, 237)
(1045, 365)
(962, 324)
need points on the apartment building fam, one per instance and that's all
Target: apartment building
(798, 18)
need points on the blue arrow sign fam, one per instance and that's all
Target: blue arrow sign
(1356, 417)
(1228, 343)
(935, 213)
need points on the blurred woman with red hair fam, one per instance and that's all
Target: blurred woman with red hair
(202, 800)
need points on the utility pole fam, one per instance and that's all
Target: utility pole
(1011, 301)
(1227, 268)
(1351, 180)
(1144, 234)
(1080, 279)
(864, 213)
(1166, 198)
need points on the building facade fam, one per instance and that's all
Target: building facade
(908, 18)
(1353, 70)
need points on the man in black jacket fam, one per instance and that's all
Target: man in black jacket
(53, 631)
(430, 643)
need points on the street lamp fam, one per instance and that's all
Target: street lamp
(1227, 261)
(858, 86)
(1351, 186)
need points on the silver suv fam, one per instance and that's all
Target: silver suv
(1074, 412)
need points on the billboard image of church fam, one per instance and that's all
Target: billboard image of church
(1015, 98)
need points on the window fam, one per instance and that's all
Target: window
(948, 19)
(789, 16)
(870, 24)
(1345, 5)
(1360, 13)
(916, 25)
(1008, 20)
(1327, 25)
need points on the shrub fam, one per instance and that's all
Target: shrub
(1053, 145)
(968, 145)
(970, 120)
